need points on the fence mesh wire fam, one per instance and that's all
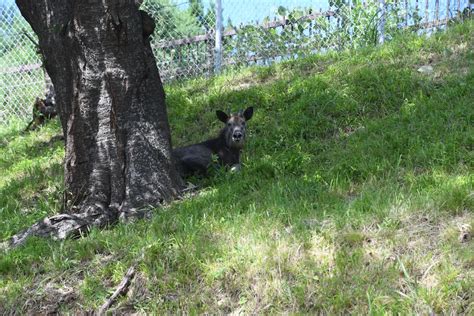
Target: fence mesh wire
(253, 32)
(21, 75)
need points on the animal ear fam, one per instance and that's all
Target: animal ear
(222, 116)
(248, 113)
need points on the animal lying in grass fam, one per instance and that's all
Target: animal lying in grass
(196, 159)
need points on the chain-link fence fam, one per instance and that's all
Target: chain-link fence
(198, 38)
(21, 75)
(247, 32)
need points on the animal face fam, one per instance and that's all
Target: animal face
(235, 126)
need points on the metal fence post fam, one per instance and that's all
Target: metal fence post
(218, 47)
(381, 24)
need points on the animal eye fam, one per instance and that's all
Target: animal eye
(243, 123)
(229, 124)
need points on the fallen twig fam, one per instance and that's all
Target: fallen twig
(123, 286)
(121, 289)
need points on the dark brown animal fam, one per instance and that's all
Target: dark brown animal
(43, 109)
(148, 24)
(227, 146)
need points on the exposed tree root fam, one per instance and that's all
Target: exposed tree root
(62, 226)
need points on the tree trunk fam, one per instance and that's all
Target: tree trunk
(112, 108)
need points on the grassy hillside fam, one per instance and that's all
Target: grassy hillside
(356, 196)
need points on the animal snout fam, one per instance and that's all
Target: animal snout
(237, 135)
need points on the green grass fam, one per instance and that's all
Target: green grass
(357, 183)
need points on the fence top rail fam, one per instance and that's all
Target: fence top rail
(22, 68)
(283, 21)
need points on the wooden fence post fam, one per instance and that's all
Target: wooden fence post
(381, 22)
(437, 13)
(448, 9)
(406, 13)
(427, 11)
(218, 44)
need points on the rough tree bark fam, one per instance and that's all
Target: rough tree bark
(111, 105)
